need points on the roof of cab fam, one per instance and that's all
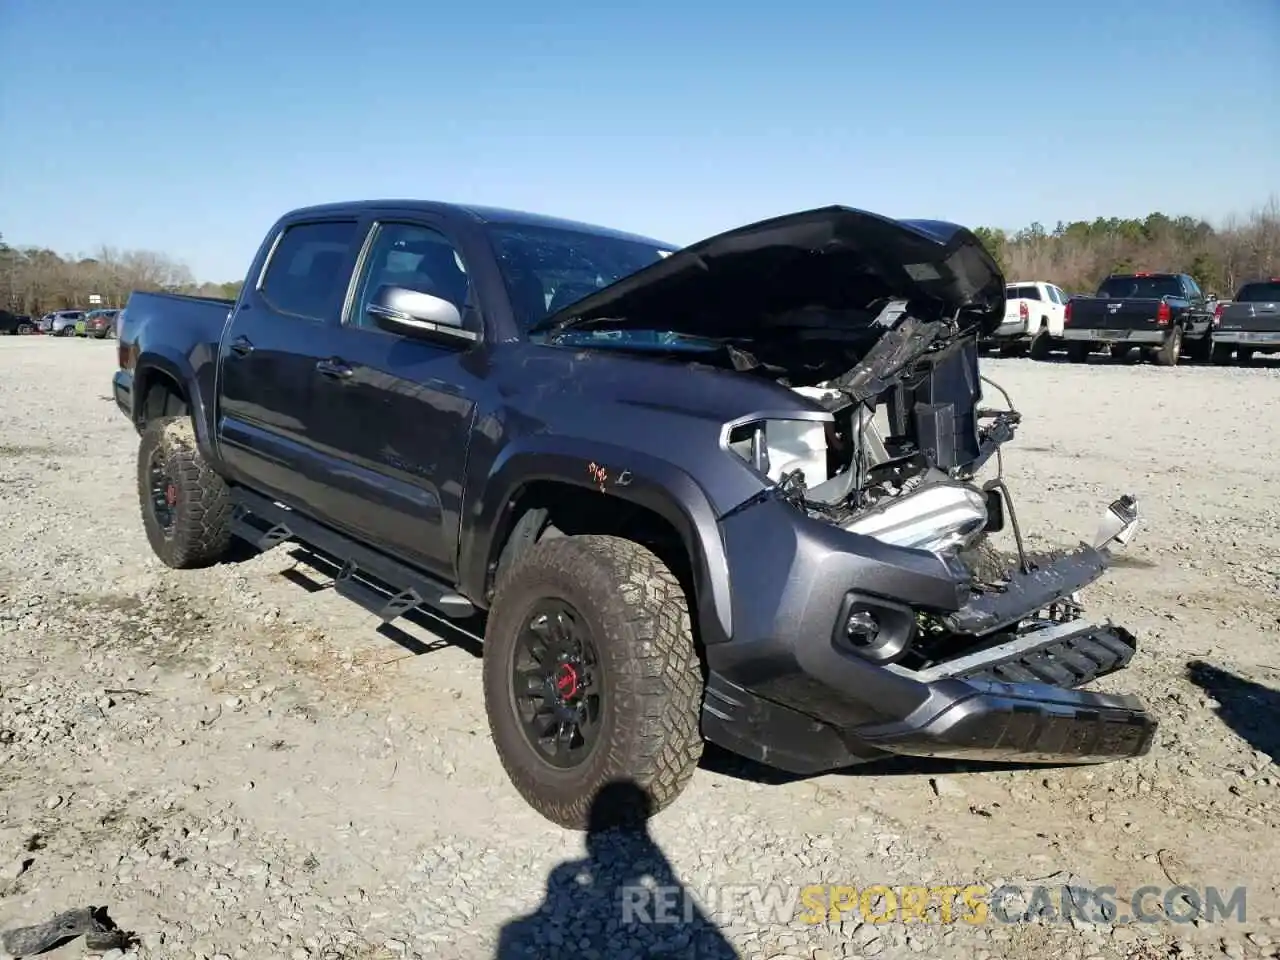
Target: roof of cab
(480, 214)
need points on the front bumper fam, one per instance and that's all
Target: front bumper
(1114, 336)
(795, 693)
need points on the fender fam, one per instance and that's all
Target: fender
(617, 472)
(179, 369)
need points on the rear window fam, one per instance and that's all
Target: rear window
(1153, 287)
(1023, 293)
(1264, 292)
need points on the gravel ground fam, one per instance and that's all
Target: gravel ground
(237, 764)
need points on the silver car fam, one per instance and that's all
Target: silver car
(61, 323)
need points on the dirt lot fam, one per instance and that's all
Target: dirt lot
(239, 765)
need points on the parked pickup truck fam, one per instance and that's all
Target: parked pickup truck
(1163, 314)
(1033, 319)
(657, 474)
(1249, 324)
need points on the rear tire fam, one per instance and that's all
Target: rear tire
(1041, 345)
(643, 680)
(186, 506)
(1222, 353)
(1171, 350)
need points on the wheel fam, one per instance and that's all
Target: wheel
(25, 329)
(1201, 349)
(1171, 350)
(1119, 351)
(1222, 353)
(591, 677)
(186, 506)
(1078, 351)
(1041, 345)
(1246, 356)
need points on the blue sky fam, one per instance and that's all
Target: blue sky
(189, 127)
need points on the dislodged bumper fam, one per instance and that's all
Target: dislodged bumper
(1022, 722)
(818, 699)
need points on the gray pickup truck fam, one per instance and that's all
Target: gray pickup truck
(1249, 324)
(657, 472)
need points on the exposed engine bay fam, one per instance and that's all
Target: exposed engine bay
(897, 461)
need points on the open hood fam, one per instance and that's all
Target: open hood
(818, 274)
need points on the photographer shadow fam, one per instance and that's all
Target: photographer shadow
(622, 901)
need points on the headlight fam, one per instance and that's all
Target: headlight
(775, 447)
(937, 517)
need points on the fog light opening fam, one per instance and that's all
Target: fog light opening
(862, 628)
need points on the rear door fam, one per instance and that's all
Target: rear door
(283, 326)
(393, 418)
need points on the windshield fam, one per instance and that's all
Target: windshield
(1140, 287)
(1264, 292)
(547, 268)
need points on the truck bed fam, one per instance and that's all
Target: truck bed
(196, 323)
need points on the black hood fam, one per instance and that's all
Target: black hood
(818, 274)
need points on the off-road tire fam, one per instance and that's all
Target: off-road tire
(651, 675)
(201, 533)
(1078, 351)
(1171, 350)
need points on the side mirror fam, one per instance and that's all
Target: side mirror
(417, 314)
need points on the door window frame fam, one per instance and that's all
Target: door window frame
(269, 259)
(347, 319)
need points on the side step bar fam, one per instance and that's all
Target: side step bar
(383, 586)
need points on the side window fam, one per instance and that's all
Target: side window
(306, 276)
(1053, 292)
(1193, 291)
(414, 257)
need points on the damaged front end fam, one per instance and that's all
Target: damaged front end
(992, 675)
(870, 613)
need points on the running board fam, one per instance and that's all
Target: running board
(385, 587)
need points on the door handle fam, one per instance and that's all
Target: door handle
(241, 345)
(334, 368)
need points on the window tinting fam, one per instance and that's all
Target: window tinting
(307, 275)
(415, 258)
(1141, 287)
(546, 269)
(1263, 292)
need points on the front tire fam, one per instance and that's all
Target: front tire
(590, 637)
(186, 506)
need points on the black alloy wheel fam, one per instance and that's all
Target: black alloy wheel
(557, 688)
(164, 492)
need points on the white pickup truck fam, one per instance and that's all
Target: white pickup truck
(1033, 319)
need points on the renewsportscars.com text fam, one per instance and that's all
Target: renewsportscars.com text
(971, 904)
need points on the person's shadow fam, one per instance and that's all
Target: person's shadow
(623, 901)
(1248, 708)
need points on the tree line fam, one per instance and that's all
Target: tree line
(1075, 256)
(35, 280)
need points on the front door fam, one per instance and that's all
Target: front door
(268, 382)
(396, 412)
